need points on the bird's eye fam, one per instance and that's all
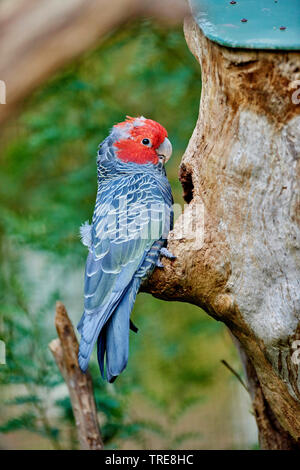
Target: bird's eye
(146, 142)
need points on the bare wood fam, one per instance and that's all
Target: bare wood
(65, 350)
(242, 163)
(37, 37)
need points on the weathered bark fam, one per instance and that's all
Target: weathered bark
(242, 163)
(272, 436)
(65, 350)
(37, 37)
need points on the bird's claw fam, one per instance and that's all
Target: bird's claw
(166, 253)
(159, 264)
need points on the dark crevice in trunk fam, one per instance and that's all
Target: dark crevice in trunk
(186, 180)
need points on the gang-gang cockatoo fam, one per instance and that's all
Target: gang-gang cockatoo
(131, 221)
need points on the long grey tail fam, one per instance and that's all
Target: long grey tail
(113, 340)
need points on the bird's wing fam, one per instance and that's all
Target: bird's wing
(130, 215)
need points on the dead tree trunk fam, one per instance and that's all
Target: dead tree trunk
(242, 163)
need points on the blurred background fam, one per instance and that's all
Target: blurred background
(175, 392)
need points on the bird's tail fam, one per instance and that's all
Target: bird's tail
(89, 327)
(113, 340)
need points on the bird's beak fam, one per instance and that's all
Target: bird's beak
(165, 150)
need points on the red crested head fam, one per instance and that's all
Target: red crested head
(141, 140)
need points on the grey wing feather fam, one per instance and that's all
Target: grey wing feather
(121, 239)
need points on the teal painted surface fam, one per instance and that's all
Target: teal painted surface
(221, 22)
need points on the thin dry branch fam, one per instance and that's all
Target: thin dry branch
(65, 350)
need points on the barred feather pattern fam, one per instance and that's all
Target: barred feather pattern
(131, 221)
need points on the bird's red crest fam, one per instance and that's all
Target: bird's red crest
(135, 131)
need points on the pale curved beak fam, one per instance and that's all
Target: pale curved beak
(165, 150)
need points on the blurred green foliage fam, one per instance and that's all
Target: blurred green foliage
(47, 189)
(48, 181)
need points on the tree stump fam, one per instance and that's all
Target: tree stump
(242, 163)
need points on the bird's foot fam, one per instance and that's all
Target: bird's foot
(166, 253)
(159, 264)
